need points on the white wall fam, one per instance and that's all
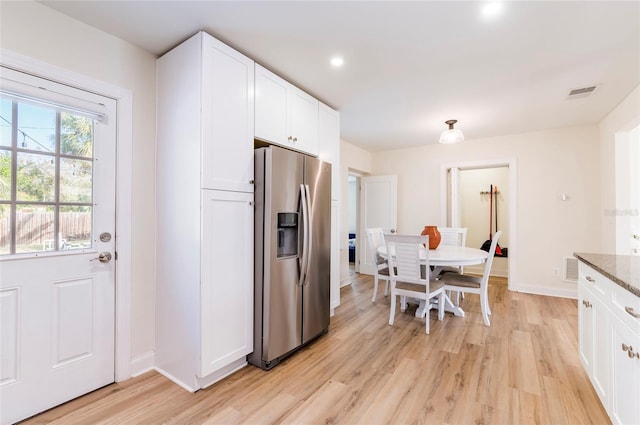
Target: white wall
(34, 30)
(549, 163)
(623, 118)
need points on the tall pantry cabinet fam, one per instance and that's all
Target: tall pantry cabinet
(204, 235)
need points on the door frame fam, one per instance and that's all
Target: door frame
(511, 164)
(124, 143)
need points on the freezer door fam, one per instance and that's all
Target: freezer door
(316, 290)
(282, 295)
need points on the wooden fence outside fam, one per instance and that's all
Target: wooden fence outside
(36, 228)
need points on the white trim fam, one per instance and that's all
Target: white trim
(124, 116)
(549, 291)
(143, 364)
(512, 243)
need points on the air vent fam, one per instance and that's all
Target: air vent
(570, 269)
(581, 92)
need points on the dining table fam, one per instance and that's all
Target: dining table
(445, 256)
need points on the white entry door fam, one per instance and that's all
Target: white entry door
(378, 208)
(57, 243)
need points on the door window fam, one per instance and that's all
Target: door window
(46, 177)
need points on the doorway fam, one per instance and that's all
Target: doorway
(353, 195)
(466, 202)
(57, 227)
(123, 178)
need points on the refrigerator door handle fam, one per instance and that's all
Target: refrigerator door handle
(310, 234)
(304, 266)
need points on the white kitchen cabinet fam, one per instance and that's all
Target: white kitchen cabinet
(609, 341)
(625, 376)
(284, 114)
(593, 341)
(204, 238)
(329, 151)
(329, 144)
(226, 306)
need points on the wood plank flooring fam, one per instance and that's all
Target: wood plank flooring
(524, 369)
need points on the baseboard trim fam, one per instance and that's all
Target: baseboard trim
(548, 291)
(174, 379)
(142, 364)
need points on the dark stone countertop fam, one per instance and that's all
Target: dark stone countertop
(623, 270)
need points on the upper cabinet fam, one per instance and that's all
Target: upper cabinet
(329, 144)
(227, 118)
(284, 114)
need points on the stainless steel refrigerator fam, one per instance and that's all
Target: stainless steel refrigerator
(292, 253)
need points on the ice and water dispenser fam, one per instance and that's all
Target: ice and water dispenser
(287, 235)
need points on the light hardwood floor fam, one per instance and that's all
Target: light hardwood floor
(523, 369)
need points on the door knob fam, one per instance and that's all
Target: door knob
(103, 257)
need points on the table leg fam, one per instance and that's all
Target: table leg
(449, 306)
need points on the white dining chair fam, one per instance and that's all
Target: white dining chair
(456, 236)
(474, 284)
(409, 276)
(375, 239)
(453, 236)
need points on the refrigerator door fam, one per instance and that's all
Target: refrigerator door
(282, 294)
(316, 289)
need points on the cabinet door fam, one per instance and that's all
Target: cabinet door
(329, 144)
(594, 340)
(625, 374)
(271, 107)
(304, 121)
(226, 284)
(227, 118)
(601, 350)
(585, 329)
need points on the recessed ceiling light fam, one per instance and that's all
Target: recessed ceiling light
(337, 62)
(491, 9)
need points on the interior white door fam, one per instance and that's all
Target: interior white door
(57, 244)
(378, 208)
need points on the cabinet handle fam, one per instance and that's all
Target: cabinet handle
(590, 279)
(588, 304)
(629, 350)
(295, 139)
(636, 237)
(631, 312)
(289, 138)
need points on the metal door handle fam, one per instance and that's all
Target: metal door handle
(631, 312)
(392, 230)
(103, 257)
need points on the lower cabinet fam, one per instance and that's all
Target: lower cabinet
(625, 374)
(204, 289)
(226, 286)
(609, 343)
(594, 340)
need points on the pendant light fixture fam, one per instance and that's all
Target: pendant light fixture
(452, 135)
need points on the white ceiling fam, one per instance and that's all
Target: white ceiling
(410, 66)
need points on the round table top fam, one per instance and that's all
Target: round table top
(449, 255)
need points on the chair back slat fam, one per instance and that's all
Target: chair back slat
(455, 236)
(492, 253)
(375, 239)
(404, 264)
